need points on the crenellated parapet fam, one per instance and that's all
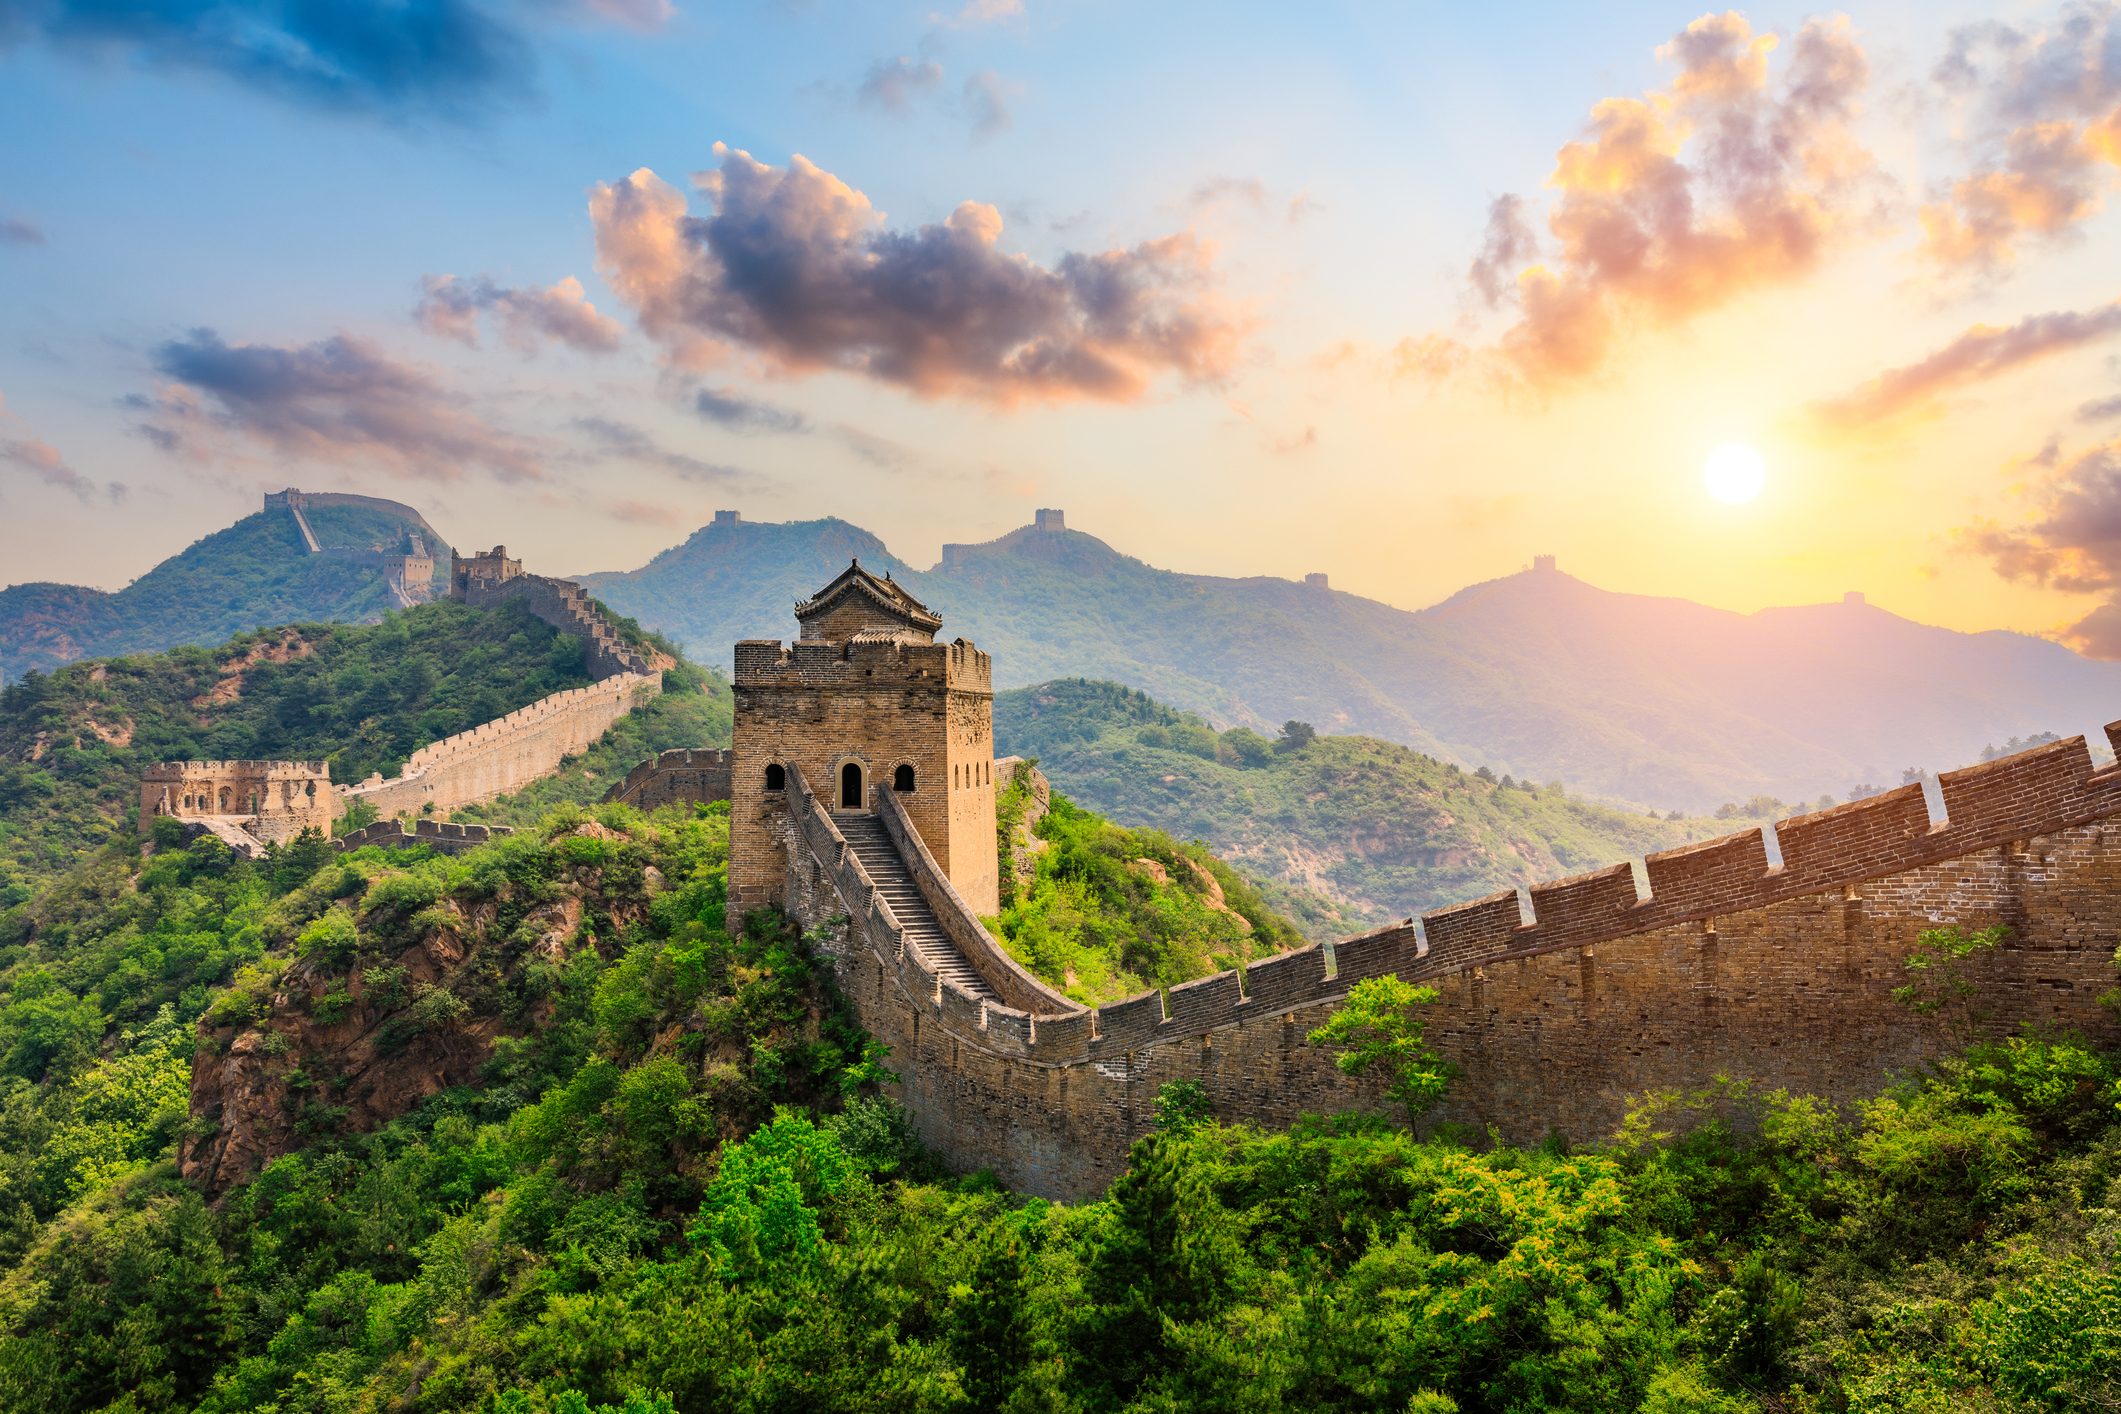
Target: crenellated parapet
(695, 776)
(829, 664)
(1999, 803)
(439, 835)
(506, 754)
(268, 800)
(487, 581)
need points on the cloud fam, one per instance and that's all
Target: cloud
(2046, 186)
(441, 58)
(2044, 117)
(980, 12)
(449, 307)
(20, 230)
(987, 97)
(623, 440)
(1980, 353)
(798, 268)
(341, 400)
(2100, 409)
(2071, 540)
(1726, 183)
(1510, 243)
(22, 447)
(892, 85)
(741, 414)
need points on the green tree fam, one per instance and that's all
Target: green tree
(1942, 965)
(1378, 1028)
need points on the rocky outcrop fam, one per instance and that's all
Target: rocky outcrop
(329, 1047)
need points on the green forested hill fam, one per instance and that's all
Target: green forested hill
(670, 1186)
(1374, 826)
(364, 698)
(255, 573)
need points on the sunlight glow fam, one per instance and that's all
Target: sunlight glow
(1734, 474)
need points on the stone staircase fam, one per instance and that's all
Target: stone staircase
(871, 843)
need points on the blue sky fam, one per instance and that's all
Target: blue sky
(1295, 195)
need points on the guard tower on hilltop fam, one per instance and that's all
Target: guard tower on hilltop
(864, 703)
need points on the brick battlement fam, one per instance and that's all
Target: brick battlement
(507, 753)
(440, 835)
(560, 602)
(697, 775)
(2034, 793)
(269, 770)
(768, 662)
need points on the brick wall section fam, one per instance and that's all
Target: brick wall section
(821, 705)
(1552, 1034)
(508, 753)
(438, 835)
(567, 607)
(693, 777)
(270, 800)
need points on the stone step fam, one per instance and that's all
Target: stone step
(872, 844)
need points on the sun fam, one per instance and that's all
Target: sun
(1734, 474)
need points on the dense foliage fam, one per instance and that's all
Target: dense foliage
(72, 744)
(672, 1187)
(1101, 912)
(1381, 831)
(256, 572)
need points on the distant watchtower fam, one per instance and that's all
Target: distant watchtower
(864, 701)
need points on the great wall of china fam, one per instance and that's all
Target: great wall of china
(247, 803)
(1782, 974)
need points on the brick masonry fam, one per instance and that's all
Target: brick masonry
(693, 777)
(507, 753)
(1778, 974)
(267, 800)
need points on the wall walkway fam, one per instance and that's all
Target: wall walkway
(508, 753)
(1782, 973)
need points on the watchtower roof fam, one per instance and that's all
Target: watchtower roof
(857, 606)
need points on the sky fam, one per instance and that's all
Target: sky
(1405, 294)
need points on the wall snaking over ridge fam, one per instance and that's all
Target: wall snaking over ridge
(1778, 973)
(508, 753)
(567, 607)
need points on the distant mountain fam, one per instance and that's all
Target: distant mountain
(1377, 831)
(1645, 701)
(257, 573)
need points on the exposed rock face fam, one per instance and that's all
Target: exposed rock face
(358, 1047)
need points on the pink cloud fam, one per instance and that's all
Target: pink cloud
(2071, 540)
(450, 307)
(798, 268)
(1980, 353)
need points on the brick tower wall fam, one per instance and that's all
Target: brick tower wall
(820, 705)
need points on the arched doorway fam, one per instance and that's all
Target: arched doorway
(851, 786)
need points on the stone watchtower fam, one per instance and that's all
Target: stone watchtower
(864, 701)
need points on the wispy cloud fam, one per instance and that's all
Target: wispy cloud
(979, 12)
(21, 447)
(798, 268)
(20, 230)
(621, 439)
(987, 96)
(1980, 353)
(340, 400)
(524, 314)
(738, 413)
(892, 85)
(2070, 539)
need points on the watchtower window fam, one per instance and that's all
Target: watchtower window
(902, 779)
(850, 786)
(776, 776)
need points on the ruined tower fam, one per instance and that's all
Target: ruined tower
(865, 700)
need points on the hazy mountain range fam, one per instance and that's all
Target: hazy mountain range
(1653, 702)
(1648, 702)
